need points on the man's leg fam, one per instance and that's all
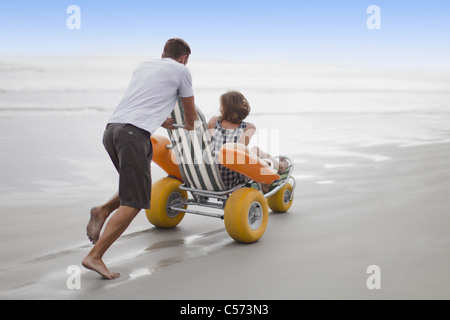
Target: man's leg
(130, 150)
(118, 223)
(98, 217)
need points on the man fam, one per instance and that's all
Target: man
(146, 105)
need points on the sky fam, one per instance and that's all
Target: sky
(413, 33)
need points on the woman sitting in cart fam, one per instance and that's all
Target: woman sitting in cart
(230, 127)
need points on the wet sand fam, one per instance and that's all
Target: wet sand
(358, 203)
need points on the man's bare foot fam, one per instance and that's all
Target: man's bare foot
(95, 225)
(98, 266)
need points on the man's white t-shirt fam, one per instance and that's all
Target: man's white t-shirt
(152, 94)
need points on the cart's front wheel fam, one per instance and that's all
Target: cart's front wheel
(281, 201)
(246, 215)
(165, 194)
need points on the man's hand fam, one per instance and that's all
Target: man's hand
(189, 128)
(168, 124)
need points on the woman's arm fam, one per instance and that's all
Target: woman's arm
(212, 122)
(248, 134)
(211, 125)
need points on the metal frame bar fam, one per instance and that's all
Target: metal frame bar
(208, 193)
(207, 204)
(201, 213)
(271, 193)
(223, 196)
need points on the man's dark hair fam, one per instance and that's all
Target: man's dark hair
(175, 48)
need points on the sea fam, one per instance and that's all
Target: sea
(298, 108)
(79, 86)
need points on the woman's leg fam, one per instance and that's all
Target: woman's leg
(279, 166)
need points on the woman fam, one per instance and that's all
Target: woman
(230, 127)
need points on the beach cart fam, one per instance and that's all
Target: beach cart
(192, 167)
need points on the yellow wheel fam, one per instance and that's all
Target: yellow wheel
(246, 215)
(166, 193)
(281, 201)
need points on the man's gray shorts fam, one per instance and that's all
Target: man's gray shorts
(130, 149)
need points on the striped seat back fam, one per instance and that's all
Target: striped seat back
(193, 150)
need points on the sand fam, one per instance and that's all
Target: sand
(379, 197)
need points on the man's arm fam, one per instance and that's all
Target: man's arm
(168, 124)
(190, 114)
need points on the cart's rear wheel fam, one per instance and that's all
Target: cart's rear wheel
(246, 215)
(166, 193)
(281, 201)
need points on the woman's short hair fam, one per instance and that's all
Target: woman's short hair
(234, 107)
